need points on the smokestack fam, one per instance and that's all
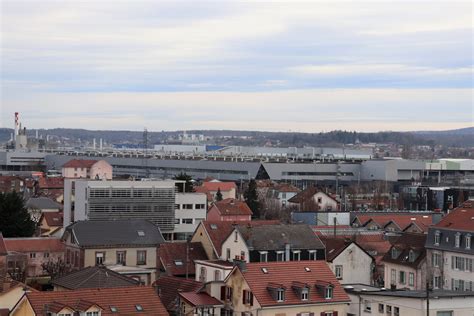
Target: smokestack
(36, 134)
(16, 126)
(287, 252)
(100, 144)
(93, 144)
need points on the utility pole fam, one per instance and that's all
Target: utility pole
(427, 298)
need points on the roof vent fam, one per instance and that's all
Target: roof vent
(265, 270)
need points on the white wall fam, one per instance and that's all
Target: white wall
(236, 247)
(356, 265)
(197, 215)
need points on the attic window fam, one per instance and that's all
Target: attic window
(113, 309)
(141, 233)
(139, 308)
(265, 270)
(213, 226)
(178, 262)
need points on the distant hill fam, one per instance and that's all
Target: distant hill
(456, 138)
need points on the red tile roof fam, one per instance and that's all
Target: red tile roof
(168, 288)
(402, 220)
(223, 186)
(124, 299)
(79, 163)
(200, 299)
(285, 274)
(232, 207)
(3, 248)
(285, 187)
(51, 183)
(53, 218)
(219, 231)
(200, 189)
(169, 253)
(34, 244)
(461, 218)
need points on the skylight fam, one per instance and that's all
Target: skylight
(265, 270)
(213, 226)
(307, 269)
(141, 233)
(178, 262)
(113, 309)
(139, 308)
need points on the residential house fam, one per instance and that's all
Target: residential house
(284, 192)
(39, 205)
(229, 210)
(450, 250)
(405, 263)
(169, 287)
(12, 183)
(11, 291)
(191, 209)
(37, 250)
(50, 187)
(212, 270)
(227, 189)
(198, 303)
(412, 222)
(133, 300)
(96, 277)
(51, 223)
(367, 300)
(178, 259)
(349, 262)
(129, 245)
(312, 199)
(87, 169)
(283, 288)
(321, 218)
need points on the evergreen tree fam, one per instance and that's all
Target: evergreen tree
(188, 186)
(251, 198)
(15, 221)
(219, 195)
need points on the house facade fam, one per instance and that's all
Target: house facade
(87, 169)
(191, 209)
(229, 210)
(312, 199)
(227, 189)
(450, 252)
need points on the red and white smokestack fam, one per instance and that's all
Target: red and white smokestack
(17, 123)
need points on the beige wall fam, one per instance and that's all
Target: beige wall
(419, 276)
(11, 297)
(200, 235)
(131, 257)
(236, 247)
(23, 309)
(101, 168)
(356, 265)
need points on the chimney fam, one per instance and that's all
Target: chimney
(287, 251)
(241, 264)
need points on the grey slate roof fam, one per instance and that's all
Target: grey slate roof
(116, 232)
(274, 237)
(92, 278)
(447, 240)
(42, 203)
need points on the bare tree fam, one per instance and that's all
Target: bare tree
(56, 268)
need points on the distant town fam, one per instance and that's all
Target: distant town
(235, 223)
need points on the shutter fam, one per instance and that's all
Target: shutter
(323, 313)
(251, 299)
(230, 293)
(244, 292)
(223, 293)
(452, 262)
(334, 313)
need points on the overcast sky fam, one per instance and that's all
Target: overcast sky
(300, 66)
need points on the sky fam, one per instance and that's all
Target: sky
(304, 66)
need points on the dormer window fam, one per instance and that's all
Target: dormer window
(457, 240)
(468, 241)
(304, 294)
(328, 292)
(301, 290)
(394, 253)
(411, 256)
(280, 295)
(437, 238)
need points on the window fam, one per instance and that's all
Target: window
(247, 297)
(32, 255)
(228, 254)
(202, 274)
(393, 276)
(177, 206)
(304, 294)
(468, 241)
(187, 206)
(436, 259)
(389, 310)
(92, 314)
(99, 258)
(402, 277)
(411, 256)
(200, 206)
(121, 257)
(458, 263)
(381, 308)
(312, 254)
(187, 221)
(296, 255)
(217, 275)
(437, 282)
(411, 279)
(396, 311)
(263, 256)
(394, 253)
(177, 221)
(328, 292)
(141, 257)
(46, 255)
(339, 272)
(139, 308)
(367, 306)
(280, 295)
(457, 240)
(437, 238)
(113, 309)
(280, 255)
(320, 200)
(236, 236)
(178, 262)
(444, 313)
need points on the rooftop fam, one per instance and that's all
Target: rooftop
(223, 186)
(173, 257)
(168, 288)
(231, 207)
(42, 203)
(79, 163)
(461, 218)
(34, 244)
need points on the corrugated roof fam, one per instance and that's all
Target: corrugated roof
(124, 299)
(285, 274)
